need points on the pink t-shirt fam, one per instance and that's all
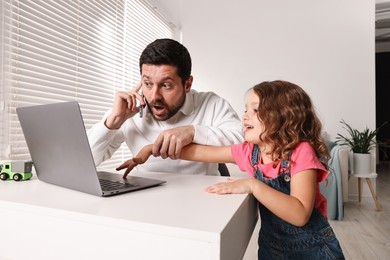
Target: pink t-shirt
(302, 158)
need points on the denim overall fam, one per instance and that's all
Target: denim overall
(281, 240)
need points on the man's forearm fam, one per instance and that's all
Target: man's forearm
(114, 122)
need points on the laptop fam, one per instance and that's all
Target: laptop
(60, 151)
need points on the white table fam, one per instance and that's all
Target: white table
(177, 220)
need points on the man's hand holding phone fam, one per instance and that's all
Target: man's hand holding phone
(125, 107)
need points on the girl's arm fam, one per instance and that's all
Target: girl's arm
(142, 156)
(191, 152)
(295, 208)
(207, 153)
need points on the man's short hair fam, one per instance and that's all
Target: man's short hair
(168, 52)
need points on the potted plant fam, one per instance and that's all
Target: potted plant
(361, 143)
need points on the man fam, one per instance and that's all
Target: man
(174, 115)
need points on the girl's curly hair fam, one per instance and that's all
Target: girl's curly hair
(289, 118)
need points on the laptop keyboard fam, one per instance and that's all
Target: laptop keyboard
(108, 185)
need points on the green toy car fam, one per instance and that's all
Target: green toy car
(18, 171)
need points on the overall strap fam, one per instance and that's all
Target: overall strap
(286, 169)
(285, 163)
(255, 155)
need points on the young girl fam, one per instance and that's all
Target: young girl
(287, 158)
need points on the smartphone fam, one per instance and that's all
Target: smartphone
(141, 108)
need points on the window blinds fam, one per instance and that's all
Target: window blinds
(71, 50)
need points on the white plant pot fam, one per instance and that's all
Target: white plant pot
(361, 163)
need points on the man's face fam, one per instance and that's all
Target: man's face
(163, 90)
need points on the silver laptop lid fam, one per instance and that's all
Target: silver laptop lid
(59, 147)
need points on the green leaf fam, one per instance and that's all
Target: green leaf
(359, 141)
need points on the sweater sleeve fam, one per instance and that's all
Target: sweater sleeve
(221, 124)
(103, 141)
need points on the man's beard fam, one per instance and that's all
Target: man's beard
(170, 111)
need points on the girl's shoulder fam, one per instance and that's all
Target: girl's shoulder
(304, 147)
(304, 150)
(304, 157)
(243, 147)
(242, 154)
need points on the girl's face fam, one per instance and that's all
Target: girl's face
(253, 127)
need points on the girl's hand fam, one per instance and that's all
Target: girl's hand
(231, 187)
(140, 158)
(130, 164)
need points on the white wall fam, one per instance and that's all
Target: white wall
(326, 47)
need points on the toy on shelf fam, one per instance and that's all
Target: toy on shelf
(18, 171)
